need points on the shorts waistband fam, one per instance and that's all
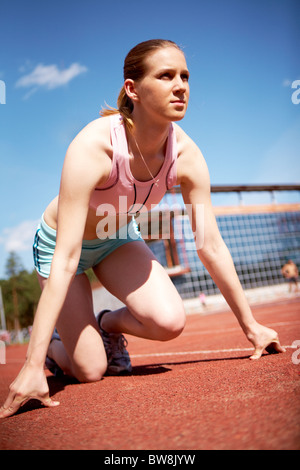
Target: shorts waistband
(124, 232)
(49, 231)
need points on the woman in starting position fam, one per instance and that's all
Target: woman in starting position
(118, 165)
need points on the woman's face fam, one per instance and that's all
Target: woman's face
(164, 90)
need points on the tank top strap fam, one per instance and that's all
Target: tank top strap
(117, 136)
(118, 154)
(171, 171)
(119, 141)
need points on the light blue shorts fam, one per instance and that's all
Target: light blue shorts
(92, 252)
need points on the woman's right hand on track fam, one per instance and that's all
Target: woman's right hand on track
(264, 338)
(30, 383)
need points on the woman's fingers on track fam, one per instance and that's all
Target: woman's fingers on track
(273, 347)
(14, 402)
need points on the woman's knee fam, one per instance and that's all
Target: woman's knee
(171, 322)
(90, 372)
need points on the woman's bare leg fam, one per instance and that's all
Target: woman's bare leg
(154, 309)
(80, 353)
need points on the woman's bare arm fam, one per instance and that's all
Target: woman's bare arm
(85, 165)
(212, 251)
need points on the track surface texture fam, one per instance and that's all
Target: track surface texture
(199, 391)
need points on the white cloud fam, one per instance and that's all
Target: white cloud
(49, 77)
(286, 82)
(19, 238)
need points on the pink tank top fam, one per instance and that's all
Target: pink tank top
(122, 193)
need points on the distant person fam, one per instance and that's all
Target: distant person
(117, 166)
(202, 299)
(290, 272)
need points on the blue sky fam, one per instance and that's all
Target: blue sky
(62, 60)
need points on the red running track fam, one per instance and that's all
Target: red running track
(199, 391)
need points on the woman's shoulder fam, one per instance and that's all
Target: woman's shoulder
(90, 152)
(95, 132)
(190, 161)
(93, 141)
(185, 144)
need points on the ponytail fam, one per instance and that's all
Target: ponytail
(125, 108)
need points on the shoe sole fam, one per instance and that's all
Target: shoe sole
(117, 371)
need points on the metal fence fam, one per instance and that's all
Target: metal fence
(261, 239)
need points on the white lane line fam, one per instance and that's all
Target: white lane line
(203, 351)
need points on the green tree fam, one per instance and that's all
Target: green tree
(21, 292)
(13, 267)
